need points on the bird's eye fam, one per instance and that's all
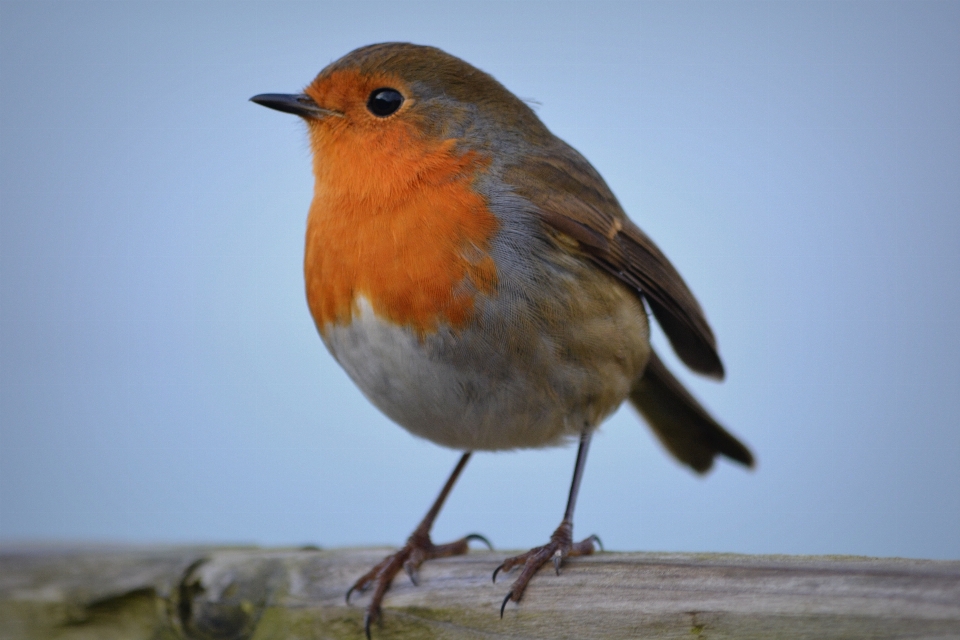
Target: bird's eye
(384, 101)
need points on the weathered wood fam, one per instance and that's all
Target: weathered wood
(239, 593)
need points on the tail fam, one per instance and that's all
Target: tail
(682, 425)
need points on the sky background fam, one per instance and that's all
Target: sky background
(161, 379)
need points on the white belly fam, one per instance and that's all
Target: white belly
(506, 381)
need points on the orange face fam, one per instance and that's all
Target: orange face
(394, 218)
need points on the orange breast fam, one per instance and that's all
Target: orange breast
(395, 219)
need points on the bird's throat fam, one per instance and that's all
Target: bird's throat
(400, 224)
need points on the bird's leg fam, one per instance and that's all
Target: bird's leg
(561, 543)
(418, 549)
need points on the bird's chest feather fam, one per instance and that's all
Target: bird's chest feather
(405, 231)
(439, 312)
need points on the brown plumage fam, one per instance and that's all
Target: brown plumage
(479, 281)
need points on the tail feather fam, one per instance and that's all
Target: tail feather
(682, 425)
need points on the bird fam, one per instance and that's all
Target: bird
(478, 280)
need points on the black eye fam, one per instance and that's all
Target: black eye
(384, 101)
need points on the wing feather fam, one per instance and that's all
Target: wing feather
(572, 198)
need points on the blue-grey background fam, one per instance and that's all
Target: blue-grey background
(161, 379)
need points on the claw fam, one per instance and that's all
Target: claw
(349, 591)
(502, 606)
(556, 551)
(483, 539)
(596, 539)
(366, 624)
(411, 573)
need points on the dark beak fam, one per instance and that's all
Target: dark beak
(296, 103)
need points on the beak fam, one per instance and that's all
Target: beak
(295, 103)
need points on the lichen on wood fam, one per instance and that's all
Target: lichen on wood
(217, 593)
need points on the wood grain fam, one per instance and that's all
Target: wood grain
(215, 593)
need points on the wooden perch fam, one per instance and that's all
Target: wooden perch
(239, 593)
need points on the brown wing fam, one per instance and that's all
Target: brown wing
(572, 198)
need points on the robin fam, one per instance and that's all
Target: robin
(478, 280)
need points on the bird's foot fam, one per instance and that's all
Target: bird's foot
(561, 546)
(418, 549)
